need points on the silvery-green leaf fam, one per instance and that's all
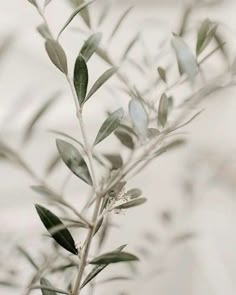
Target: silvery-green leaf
(125, 139)
(109, 125)
(120, 21)
(38, 115)
(162, 73)
(186, 60)
(90, 46)
(74, 13)
(81, 78)
(74, 161)
(27, 256)
(44, 191)
(47, 2)
(52, 164)
(205, 35)
(138, 116)
(104, 56)
(84, 13)
(43, 31)
(130, 46)
(63, 237)
(104, 11)
(115, 160)
(97, 269)
(47, 288)
(57, 55)
(33, 2)
(153, 132)
(114, 257)
(101, 80)
(132, 203)
(134, 193)
(163, 110)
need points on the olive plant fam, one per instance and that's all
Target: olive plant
(145, 130)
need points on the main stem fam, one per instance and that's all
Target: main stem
(88, 242)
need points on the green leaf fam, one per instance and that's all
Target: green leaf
(115, 160)
(73, 15)
(33, 2)
(38, 115)
(63, 237)
(162, 73)
(114, 257)
(28, 257)
(125, 139)
(47, 2)
(90, 46)
(81, 78)
(132, 203)
(134, 193)
(101, 80)
(152, 133)
(106, 5)
(73, 160)
(120, 21)
(97, 269)
(44, 191)
(104, 56)
(205, 35)
(57, 55)
(44, 32)
(186, 60)
(84, 13)
(47, 288)
(52, 164)
(109, 125)
(163, 110)
(138, 116)
(130, 46)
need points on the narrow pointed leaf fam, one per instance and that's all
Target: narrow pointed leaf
(57, 55)
(134, 193)
(114, 257)
(186, 59)
(44, 32)
(63, 237)
(132, 203)
(90, 46)
(73, 15)
(28, 257)
(84, 12)
(38, 115)
(104, 11)
(73, 160)
(152, 133)
(162, 73)
(163, 110)
(125, 139)
(97, 269)
(33, 2)
(109, 125)
(120, 21)
(130, 46)
(115, 160)
(101, 80)
(138, 116)
(81, 78)
(205, 35)
(47, 288)
(47, 2)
